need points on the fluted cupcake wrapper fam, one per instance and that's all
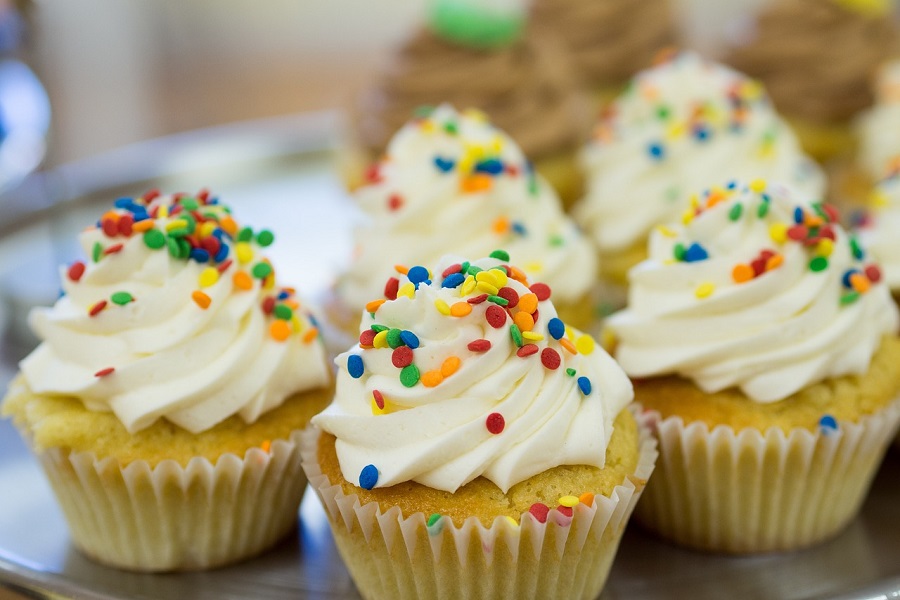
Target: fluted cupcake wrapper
(749, 491)
(392, 556)
(171, 517)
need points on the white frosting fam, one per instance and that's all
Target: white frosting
(880, 235)
(438, 436)
(877, 128)
(171, 358)
(437, 214)
(770, 336)
(679, 127)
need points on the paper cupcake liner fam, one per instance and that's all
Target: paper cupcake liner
(390, 556)
(171, 517)
(749, 491)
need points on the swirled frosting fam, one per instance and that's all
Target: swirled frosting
(453, 182)
(470, 373)
(879, 143)
(880, 230)
(175, 315)
(608, 40)
(816, 57)
(526, 87)
(757, 291)
(680, 126)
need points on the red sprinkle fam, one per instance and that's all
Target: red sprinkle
(481, 345)
(510, 295)
(223, 266)
(766, 254)
(126, 222)
(539, 511)
(379, 399)
(759, 266)
(526, 350)
(76, 270)
(105, 372)
(268, 305)
(367, 338)
(495, 423)
(542, 291)
(550, 358)
(402, 357)
(113, 249)
(454, 268)
(391, 287)
(565, 510)
(110, 227)
(373, 173)
(833, 214)
(95, 309)
(151, 195)
(477, 299)
(203, 195)
(395, 202)
(211, 244)
(873, 273)
(496, 316)
(798, 233)
(827, 231)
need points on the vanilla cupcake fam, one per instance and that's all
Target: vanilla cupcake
(476, 445)
(763, 346)
(166, 399)
(682, 125)
(452, 182)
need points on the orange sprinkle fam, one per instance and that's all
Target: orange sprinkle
(450, 366)
(568, 345)
(242, 280)
(775, 261)
(310, 335)
(143, 226)
(524, 320)
(715, 197)
(202, 300)
(460, 309)
(518, 274)
(279, 330)
(476, 183)
(266, 446)
(501, 225)
(742, 273)
(228, 225)
(114, 216)
(859, 282)
(374, 305)
(431, 378)
(813, 220)
(401, 269)
(586, 498)
(528, 303)
(290, 302)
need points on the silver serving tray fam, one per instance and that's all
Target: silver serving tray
(280, 173)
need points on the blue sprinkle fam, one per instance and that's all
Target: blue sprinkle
(200, 255)
(283, 295)
(355, 366)
(491, 166)
(765, 197)
(312, 321)
(798, 216)
(656, 151)
(556, 328)
(214, 200)
(701, 133)
(828, 424)
(695, 253)
(417, 275)
(846, 278)
(584, 384)
(453, 280)
(222, 253)
(123, 202)
(368, 477)
(218, 233)
(444, 164)
(731, 185)
(519, 228)
(410, 339)
(140, 215)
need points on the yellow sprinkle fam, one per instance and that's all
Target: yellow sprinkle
(570, 333)
(486, 277)
(268, 283)
(534, 266)
(468, 286)
(296, 324)
(206, 229)
(175, 224)
(487, 288)
(825, 247)
(279, 330)
(585, 344)
(380, 339)
(687, 216)
(877, 199)
(704, 290)
(569, 501)
(201, 299)
(662, 229)
(512, 522)
(242, 280)
(500, 277)
(460, 309)
(163, 211)
(442, 307)
(532, 336)
(208, 276)
(244, 252)
(427, 126)
(407, 290)
(695, 201)
(676, 130)
(778, 232)
(379, 411)
(758, 185)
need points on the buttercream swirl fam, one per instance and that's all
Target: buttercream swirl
(879, 144)
(879, 232)
(525, 87)
(608, 40)
(756, 291)
(680, 126)
(471, 384)
(175, 315)
(817, 57)
(452, 182)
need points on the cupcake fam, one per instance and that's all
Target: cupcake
(166, 399)
(454, 182)
(763, 347)
(816, 58)
(681, 125)
(608, 41)
(476, 445)
(471, 56)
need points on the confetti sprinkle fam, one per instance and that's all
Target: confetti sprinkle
(368, 477)
(355, 366)
(495, 423)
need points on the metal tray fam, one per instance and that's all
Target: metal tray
(281, 173)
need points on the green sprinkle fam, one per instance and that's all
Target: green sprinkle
(265, 238)
(557, 240)
(673, 194)
(245, 235)
(189, 203)
(819, 263)
(533, 186)
(433, 519)
(857, 250)
(261, 270)
(570, 372)
(849, 298)
(422, 111)
(498, 300)
(762, 210)
(154, 239)
(817, 206)
(191, 223)
(451, 127)
(184, 248)
(516, 335)
(473, 270)
(172, 243)
(178, 232)
(97, 251)
(678, 251)
(379, 328)
(121, 298)
(393, 338)
(283, 312)
(500, 255)
(735, 213)
(409, 375)
(663, 112)
(464, 268)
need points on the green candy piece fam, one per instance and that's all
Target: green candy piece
(499, 300)
(469, 24)
(154, 239)
(819, 263)
(97, 251)
(393, 338)
(570, 372)
(434, 518)
(379, 328)
(172, 243)
(409, 375)
(283, 312)
(516, 334)
(265, 238)
(245, 235)
(678, 251)
(262, 270)
(849, 298)
(189, 203)
(184, 248)
(736, 211)
(473, 270)
(763, 210)
(500, 255)
(451, 128)
(121, 298)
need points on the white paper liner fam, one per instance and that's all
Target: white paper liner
(748, 491)
(171, 517)
(390, 556)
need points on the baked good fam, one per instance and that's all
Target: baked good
(173, 380)
(476, 445)
(763, 345)
(682, 126)
(817, 58)
(453, 182)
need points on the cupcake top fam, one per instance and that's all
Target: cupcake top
(755, 290)
(879, 230)
(877, 127)
(469, 373)
(816, 56)
(453, 182)
(608, 40)
(679, 126)
(175, 314)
